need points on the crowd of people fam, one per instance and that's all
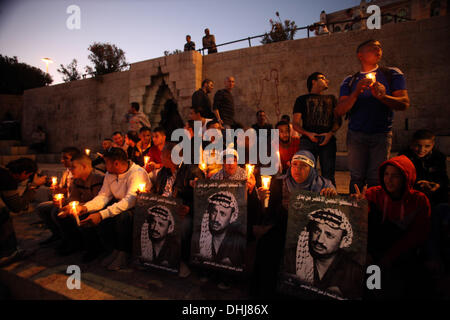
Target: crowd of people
(408, 194)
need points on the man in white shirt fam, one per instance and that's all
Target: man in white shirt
(120, 186)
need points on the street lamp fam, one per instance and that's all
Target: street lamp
(47, 61)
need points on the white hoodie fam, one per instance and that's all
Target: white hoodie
(122, 187)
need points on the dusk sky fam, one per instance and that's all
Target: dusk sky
(34, 29)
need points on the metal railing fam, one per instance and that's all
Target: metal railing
(311, 28)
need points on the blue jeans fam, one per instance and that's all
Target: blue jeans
(326, 155)
(366, 152)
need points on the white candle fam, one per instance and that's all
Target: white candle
(265, 181)
(59, 198)
(74, 211)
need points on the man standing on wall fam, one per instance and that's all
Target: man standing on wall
(135, 119)
(209, 42)
(369, 98)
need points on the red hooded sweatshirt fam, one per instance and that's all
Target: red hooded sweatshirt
(411, 212)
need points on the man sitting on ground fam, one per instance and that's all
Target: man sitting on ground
(86, 185)
(120, 186)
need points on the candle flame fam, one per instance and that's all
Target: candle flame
(87, 151)
(202, 166)
(74, 204)
(141, 187)
(249, 168)
(371, 76)
(265, 180)
(59, 196)
(146, 159)
(54, 181)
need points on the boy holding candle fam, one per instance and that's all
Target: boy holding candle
(86, 185)
(45, 209)
(370, 105)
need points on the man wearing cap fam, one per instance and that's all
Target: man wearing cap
(221, 238)
(158, 244)
(320, 257)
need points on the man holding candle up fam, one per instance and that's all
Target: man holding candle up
(112, 208)
(369, 98)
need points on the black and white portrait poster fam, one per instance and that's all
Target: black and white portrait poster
(156, 236)
(325, 250)
(220, 224)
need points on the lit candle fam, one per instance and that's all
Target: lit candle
(87, 151)
(202, 166)
(371, 76)
(249, 168)
(74, 211)
(59, 198)
(54, 182)
(279, 162)
(141, 187)
(265, 180)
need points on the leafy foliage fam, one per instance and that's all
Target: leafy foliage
(106, 58)
(15, 77)
(70, 72)
(280, 31)
(168, 53)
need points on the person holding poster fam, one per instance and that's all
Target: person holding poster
(301, 175)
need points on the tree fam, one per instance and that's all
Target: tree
(280, 32)
(15, 77)
(70, 72)
(106, 58)
(168, 53)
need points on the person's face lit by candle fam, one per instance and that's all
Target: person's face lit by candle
(230, 168)
(118, 139)
(146, 137)
(300, 171)
(66, 160)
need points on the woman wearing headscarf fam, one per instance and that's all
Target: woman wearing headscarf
(301, 175)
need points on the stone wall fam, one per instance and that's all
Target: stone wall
(269, 77)
(12, 104)
(274, 75)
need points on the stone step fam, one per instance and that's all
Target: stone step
(18, 150)
(48, 157)
(5, 159)
(5, 144)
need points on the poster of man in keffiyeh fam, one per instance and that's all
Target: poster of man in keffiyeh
(220, 224)
(325, 250)
(156, 238)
